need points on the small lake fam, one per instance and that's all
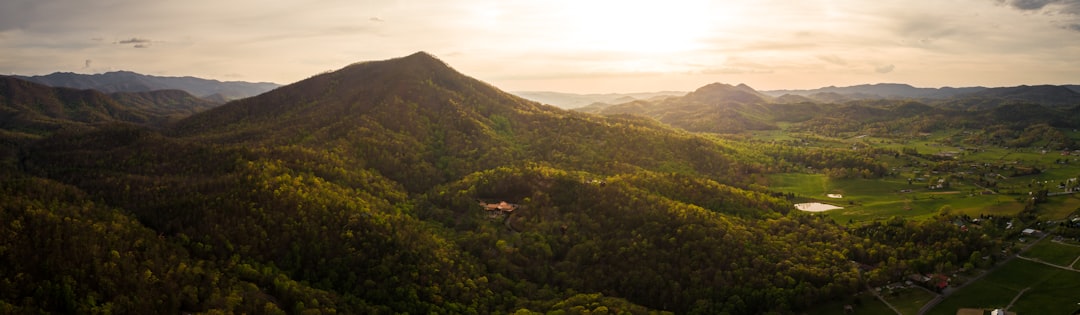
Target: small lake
(815, 207)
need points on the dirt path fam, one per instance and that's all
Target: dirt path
(1048, 264)
(882, 299)
(1017, 297)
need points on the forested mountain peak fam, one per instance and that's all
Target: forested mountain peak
(722, 92)
(389, 91)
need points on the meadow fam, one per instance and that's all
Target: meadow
(1054, 252)
(907, 192)
(1045, 290)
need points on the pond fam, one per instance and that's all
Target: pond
(815, 207)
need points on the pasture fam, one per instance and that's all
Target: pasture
(1045, 290)
(1053, 252)
(880, 199)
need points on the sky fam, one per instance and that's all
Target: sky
(579, 46)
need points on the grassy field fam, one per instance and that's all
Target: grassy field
(868, 304)
(879, 199)
(1054, 253)
(909, 301)
(1049, 290)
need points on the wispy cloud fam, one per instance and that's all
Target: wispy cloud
(1068, 8)
(135, 42)
(884, 69)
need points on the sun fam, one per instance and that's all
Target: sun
(644, 27)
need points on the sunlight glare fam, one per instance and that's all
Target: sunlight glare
(641, 27)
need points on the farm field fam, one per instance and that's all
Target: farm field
(880, 199)
(1053, 252)
(906, 192)
(1045, 290)
(909, 301)
(867, 304)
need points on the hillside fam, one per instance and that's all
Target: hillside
(422, 123)
(366, 190)
(715, 107)
(126, 81)
(36, 109)
(1046, 95)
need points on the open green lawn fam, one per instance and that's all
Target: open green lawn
(1052, 290)
(1059, 207)
(867, 304)
(909, 301)
(1054, 253)
(879, 199)
(874, 199)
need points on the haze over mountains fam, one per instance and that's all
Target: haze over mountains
(725, 108)
(825, 94)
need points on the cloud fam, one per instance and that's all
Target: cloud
(1064, 7)
(134, 40)
(833, 59)
(137, 42)
(376, 19)
(1058, 6)
(885, 68)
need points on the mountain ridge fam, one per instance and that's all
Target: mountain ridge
(128, 81)
(40, 109)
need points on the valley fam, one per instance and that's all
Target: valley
(405, 186)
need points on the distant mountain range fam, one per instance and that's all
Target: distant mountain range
(571, 100)
(881, 90)
(1042, 94)
(726, 108)
(126, 81)
(28, 108)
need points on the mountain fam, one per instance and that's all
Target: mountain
(571, 100)
(1046, 95)
(37, 109)
(126, 81)
(716, 107)
(424, 123)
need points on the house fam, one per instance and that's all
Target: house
(1029, 231)
(501, 207)
(997, 311)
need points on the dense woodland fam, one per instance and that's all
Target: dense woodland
(358, 191)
